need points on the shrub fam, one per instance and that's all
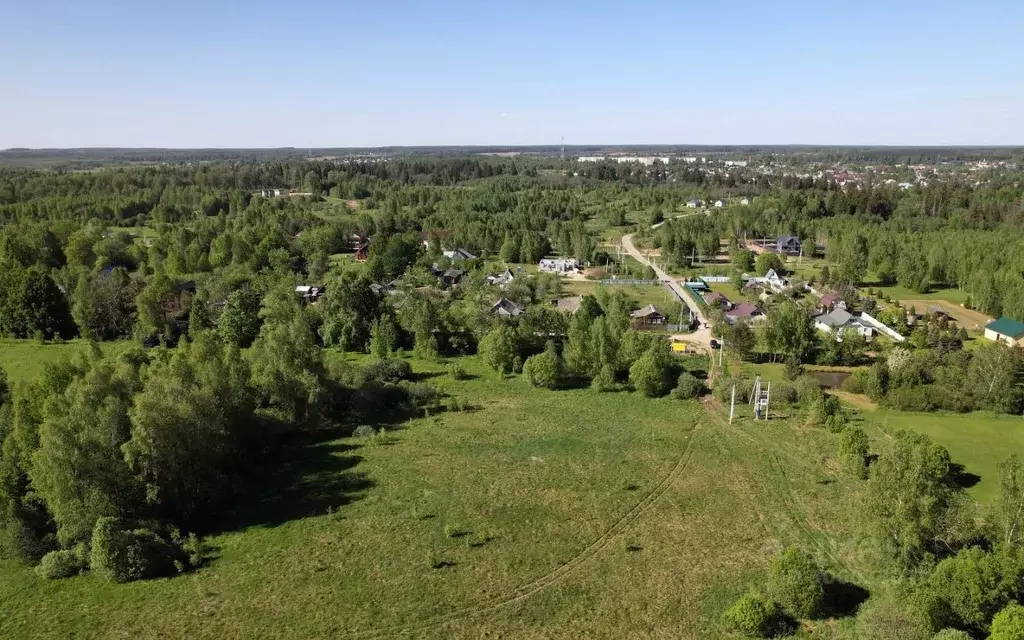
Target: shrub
(421, 395)
(649, 375)
(974, 585)
(457, 372)
(1008, 624)
(388, 370)
(364, 431)
(784, 392)
(794, 369)
(794, 581)
(752, 615)
(723, 389)
(910, 399)
(59, 564)
(827, 411)
(857, 382)
(123, 556)
(546, 369)
(605, 379)
(853, 450)
(687, 386)
(951, 634)
(807, 389)
(887, 617)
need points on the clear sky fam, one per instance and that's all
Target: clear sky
(325, 73)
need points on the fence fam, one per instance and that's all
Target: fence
(626, 281)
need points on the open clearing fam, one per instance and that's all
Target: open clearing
(24, 360)
(967, 318)
(569, 514)
(979, 440)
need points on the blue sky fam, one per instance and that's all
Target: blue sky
(319, 73)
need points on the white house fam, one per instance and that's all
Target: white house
(1005, 330)
(559, 265)
(839, 320)
(744, 201)
(721, 203)
(693, 204)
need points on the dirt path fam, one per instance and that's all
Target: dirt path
(967, 318)
(553, 577)
(701, 336)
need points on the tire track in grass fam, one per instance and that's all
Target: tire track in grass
(549, 579)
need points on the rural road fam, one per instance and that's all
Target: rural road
(701, 336)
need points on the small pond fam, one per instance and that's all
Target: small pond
(830, 379)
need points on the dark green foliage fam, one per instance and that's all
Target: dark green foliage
(795, 582)
(605, 379)
(388, 370)
(390, 256)
(753, 615)
(122, 555)
(827, 411)
(240, 322)
(650, 374)
(31, 304)
(104, 304)
(383, 337)
(790, 332)
(59, 564)
(1008, 624)
(766, 261)
(546, 369)
(741, 340)
(688, 386)
(853, 450)
(909, 492)
(348, 310)
(972, 586)
(499, 349)
(894, 616)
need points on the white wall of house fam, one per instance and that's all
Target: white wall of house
(998, 337)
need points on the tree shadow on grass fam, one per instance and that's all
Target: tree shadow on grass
(963, 478)
(312, 475)
(842, 598)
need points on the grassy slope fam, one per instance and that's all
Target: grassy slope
(610, 515)
(979, 441)
(25, 359)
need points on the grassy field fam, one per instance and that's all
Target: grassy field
(539, 514)
(25, 359)
(979, 441)
(956, 296)
(642, 295)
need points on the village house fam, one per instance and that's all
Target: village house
(501, 279)
(559, 265)
(830, 302)
(455, 255)
(787, 245)
(694, 204)
(1005, 330)
(744, 201)
(718, 299)
(838, 320)
(722, 202)
(648, 316)
(506, 308)
(743, 311)
(310, 292)
(771, 280)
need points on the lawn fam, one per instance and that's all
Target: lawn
(539, 514)
(23, 360)
(979, 440)
(642, 294)
(956, 296)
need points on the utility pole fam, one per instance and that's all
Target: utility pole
(732, 405)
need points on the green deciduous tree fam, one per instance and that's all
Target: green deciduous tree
(753, 615)
(650, 373)
(908, 493)
(1008, 624)
(239, 324)
(499, 349)
(795, 582)
(546, 369)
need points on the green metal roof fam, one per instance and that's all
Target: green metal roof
(1006, 327)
